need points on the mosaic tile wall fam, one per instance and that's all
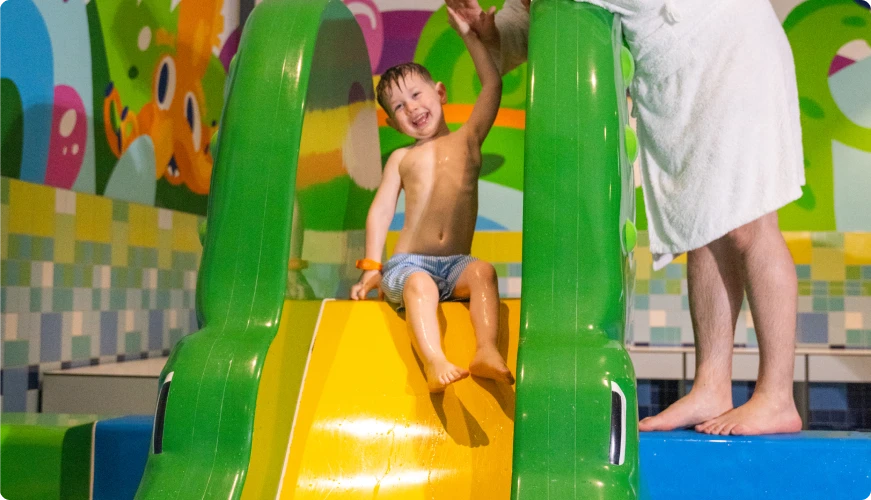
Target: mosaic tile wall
(88, 280)
(834, 305)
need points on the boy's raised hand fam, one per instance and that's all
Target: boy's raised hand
(369, 281)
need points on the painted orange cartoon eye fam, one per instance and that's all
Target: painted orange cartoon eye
(164, 84)
(192, 113)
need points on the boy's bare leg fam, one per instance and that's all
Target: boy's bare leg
(421, 296)
(715, 295)
(478, 283)
(772, 293)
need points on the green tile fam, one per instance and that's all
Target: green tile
(836, 288)
(103, 254)
(804, 288)
(120, 211)
(642, 287)
(36, 247)
(854, 272)
(149, 257)
(856, 338)
(134, 278)
(119, 277)
(163, 279)
(133, 257)
(146, 299)
(132, 342)
(117, 299)
(69, 276)
(36, 299)
(19, 246)
(162, 299)
(672, 287)
(821, 304)
(3, 300)
(15, 353)
(84, 253)
(866, 288)
(4, 191)
(96, 299)
(658, 275)
(82, 347)
(836, 303)
(62, 300)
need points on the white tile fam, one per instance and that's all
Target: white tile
(164, 218)
(745, 366)
(657, 365)
(10, 326)
(105, 277)
(78, 323)
(129, 321)
(657, 318)
(853, 321)
(47, 274)
(173, 318)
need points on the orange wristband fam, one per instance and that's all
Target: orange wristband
(296, 264)
(369, 265)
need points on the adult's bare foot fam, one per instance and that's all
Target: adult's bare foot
(488, 363)
(696, 407)
(759, 415)
(443, 373)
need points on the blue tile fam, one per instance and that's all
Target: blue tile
(642, 302)
(108, 333)
(155, 330)
(827, 396)
(866, 272)
(813, 328)
(15, 389)
(803, 271)
(50, 338)
(643, 393)
(657, 286)
(741, 392)
(674, 271)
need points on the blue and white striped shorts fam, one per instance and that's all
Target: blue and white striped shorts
(444, 270)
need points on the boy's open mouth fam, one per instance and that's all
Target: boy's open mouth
(421, 120)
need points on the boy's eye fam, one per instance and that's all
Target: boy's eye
(397, 107)
(416, 94)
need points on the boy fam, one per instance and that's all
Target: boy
(439, 173)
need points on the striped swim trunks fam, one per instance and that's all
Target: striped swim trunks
(444, 270)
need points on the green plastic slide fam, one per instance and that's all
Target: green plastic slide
(576, 431)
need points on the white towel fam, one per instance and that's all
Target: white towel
(717, 107)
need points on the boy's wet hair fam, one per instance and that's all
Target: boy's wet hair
(395, 75)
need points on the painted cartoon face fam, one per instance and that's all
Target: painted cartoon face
(179, 134)
(416, 106)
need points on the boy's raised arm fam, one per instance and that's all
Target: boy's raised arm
(487, 105)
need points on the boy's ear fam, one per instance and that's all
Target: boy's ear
(442, 91)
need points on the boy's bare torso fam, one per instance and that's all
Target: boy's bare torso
(440, 178)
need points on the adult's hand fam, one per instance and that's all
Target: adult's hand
(481, 22)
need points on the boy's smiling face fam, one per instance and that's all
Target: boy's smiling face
(415, 106)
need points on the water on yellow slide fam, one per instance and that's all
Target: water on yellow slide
(367, 427)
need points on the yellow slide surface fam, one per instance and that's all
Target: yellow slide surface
(367, 427)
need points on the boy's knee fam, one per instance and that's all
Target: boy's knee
(417, 284)
(483, 271)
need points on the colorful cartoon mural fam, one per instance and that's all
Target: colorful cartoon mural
(121, 99)
(830, 40)
(116, 98)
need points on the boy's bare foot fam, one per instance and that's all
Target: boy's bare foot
(443, 373)
(760, 415)
(696, 407)
(488, 363)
